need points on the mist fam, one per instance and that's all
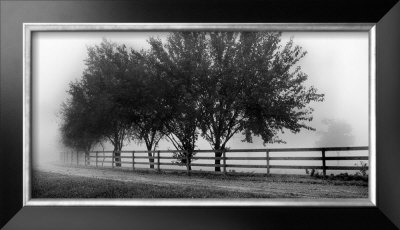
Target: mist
(337, 134)
(336, 64)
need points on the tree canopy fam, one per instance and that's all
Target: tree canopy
(181, 67)
(192, 84)
(233, 82)
(78, 130)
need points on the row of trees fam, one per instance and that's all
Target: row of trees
(187, 85)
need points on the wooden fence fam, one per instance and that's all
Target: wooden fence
(94, 158)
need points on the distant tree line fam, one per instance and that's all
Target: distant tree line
(191, 84)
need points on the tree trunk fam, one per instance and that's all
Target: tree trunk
(189, 166)
(117, 157)
(151, 159)
(217, 161)
(189, 159)
(87, 158)
(217, 147)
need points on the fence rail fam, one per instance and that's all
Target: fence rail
(155, 158)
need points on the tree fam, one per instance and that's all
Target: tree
(121, 98)
(233, 82)
(179, 64)
(146, 106)
(104, 77)
(256, 89)
(78, 129)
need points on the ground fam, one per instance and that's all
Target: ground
(58, 181)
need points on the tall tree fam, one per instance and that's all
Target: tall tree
(255, 88)
(104, 77)
(180, 62)
(235, 82)
(79, 130)
(122, 97)
(143, 96)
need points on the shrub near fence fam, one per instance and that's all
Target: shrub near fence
(98, 158)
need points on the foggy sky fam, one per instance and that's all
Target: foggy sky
(336, 63)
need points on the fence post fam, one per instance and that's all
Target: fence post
(158, 161)
(133, 160)
(224, 160)
(113, 156)
(323, 162)
(267, 153)
(77, 158)
(97, 153)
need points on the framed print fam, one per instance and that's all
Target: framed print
(240, 120)
(162, 153)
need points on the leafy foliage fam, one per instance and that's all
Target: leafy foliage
(105, 73)
(231, 82)
(78, 130)
(192, 84)
(180, 63)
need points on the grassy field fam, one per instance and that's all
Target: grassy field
(106, 183)
(53, 185)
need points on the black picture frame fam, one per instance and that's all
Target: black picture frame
(386, 15)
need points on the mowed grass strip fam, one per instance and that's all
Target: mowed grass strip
(235, 176)
(54, 185)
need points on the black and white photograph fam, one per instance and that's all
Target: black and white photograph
(200, 115)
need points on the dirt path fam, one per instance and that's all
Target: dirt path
(275, 186)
